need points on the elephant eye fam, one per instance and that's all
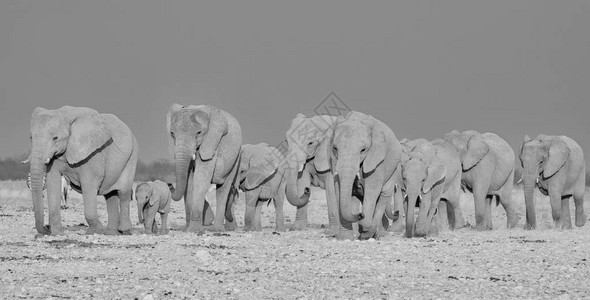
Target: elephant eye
(363, 150)
(310, 143)
(335, 151)
(172, 134)
(199, 132)
(55, 138)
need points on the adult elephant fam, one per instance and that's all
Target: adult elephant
(431, 173)
(367, 149)
(206, 144)
(96, 153)
(555, 164)
(488, 170)
(261, 176)
(308, 141)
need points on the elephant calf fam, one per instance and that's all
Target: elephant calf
(261, 177)
(153, 197)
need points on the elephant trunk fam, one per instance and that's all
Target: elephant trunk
(529, 181)
(412, 198)
(292, 191)
(346, 169)
(183, 157)
(425, 214)
(37, 170)
(140, 206)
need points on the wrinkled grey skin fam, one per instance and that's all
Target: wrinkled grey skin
(153, 197)
(487, 162)
(308, 141)
(431, 172)
(206, 145)
(261, 176)
(365, 149)
(555, 165)
(96, 153)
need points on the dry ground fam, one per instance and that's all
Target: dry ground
(464, 264)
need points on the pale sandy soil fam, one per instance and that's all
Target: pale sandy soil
(464, 264)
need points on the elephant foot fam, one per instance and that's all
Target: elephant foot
(230, 226)
(282, 228)
(482, 228)
(124, 232)
(298, 225)
(196, 229)
(216, 228)
(528, 226)
(332, 230)
(581, 221)
(124, 227)
(344, 234)
(250, 228)
(164, 231)
(563, 225)
(185, 227)
(381, 233)
(111, 232)
(95, 230)
(397, 226)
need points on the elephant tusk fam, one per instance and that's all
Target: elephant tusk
(358, 174)
(335, 174)
(47, 160)
(537, 180)
(194, 156)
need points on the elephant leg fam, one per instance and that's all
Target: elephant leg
(380, 221)
(53, 182)
(505, 196)
(113, 213)
(489, 201)
(89, 195)
(480, 191)
(566, 219)
(397, 225)
(188, 194)
(164, 218)
(124, 211)
(278, 201)
(249, 216)
(445, 216)
(555, 199)
(300, 218)
(222, 197)
(579, 203)
(197, 203)
(155, 227)
(332, 202)
(258, 215)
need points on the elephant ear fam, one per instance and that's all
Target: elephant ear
(435, 172)
(152, 185)
(261, 168)
(558, 155)
(477, 148)
(322, 156)
(375, 154)
(88, 133)
(217, 128)
(174, 108)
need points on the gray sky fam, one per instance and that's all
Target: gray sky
(422, 67)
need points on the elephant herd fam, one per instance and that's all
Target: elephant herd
(369, 176)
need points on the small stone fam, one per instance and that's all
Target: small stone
(148, 297)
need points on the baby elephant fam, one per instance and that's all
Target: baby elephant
(152, 197)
